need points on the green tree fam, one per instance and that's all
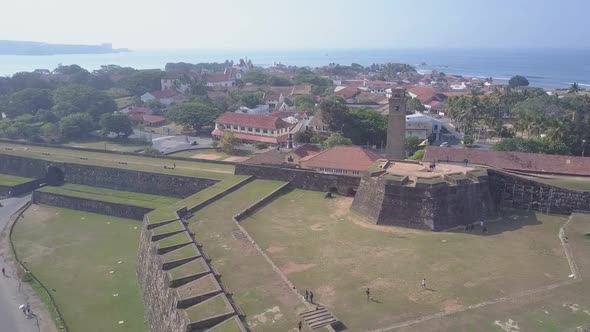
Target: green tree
(278, 81)
(518, 81)
(304, 103)
(70, 99)
(365, 126)
(334, 113)
(75, 73)
(251, 100)
(411, 144)
(76, 125)
(50, 131)
(414, 104)
(118, 124)
(196, 115)
(575, 88)
(336, 139)
(255, 76)
(142, 81)
(229, 142)
(27, 101)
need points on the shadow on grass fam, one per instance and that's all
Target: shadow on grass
(505, 223)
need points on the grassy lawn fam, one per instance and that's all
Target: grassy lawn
(323, 247)
(112, 196)
(168, 212)
(110, 145)
(124, 102)
(73, 254)
(569, 182)
(11, 180)
(267, 301)
(186, 168)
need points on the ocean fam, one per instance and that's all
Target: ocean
(545, 68)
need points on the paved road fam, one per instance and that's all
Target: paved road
(11, 296)
(170, 143)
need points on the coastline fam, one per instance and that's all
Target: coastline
(549, 69)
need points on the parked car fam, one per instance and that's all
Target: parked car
(444, 144)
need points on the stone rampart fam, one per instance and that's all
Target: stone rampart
(107, 177)
(514, 191)
(436, 204)
(303, 179)
(83, 204)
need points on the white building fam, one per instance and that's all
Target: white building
(422, 126)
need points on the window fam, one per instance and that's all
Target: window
(356, 173)
(257, 130)
(435, 127)
(243, 128)
(249, 129)
(265, 131)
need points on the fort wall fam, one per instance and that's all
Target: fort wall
(107, 177)
(302, 179)
(83, 204)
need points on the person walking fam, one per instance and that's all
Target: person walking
(306, 295)
(368, 291)
(423, 283)
(311, 297)
(299, 326)
(23, 308)
(3, 271)
(28, 309)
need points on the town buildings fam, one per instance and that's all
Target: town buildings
(253, 128)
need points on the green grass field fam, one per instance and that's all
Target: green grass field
(323, 247)
(186, 168)
(268, 302)
(11, 180)
(88, 261)
(112, 196)
(569, 182)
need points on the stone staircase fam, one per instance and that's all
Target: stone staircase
(318, 318)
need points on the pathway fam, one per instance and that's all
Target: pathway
(12, 293)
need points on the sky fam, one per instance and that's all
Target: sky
(299, 24)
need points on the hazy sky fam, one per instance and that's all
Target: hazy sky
(249, 24)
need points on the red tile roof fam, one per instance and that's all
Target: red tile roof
(252, 120)
(353, 158)
(219, 77)
(426, 94)
(253, 138)
(348, 92)
(307, 150)
(518, 161)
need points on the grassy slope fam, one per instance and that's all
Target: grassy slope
(11, 180)
(317, 244)
(256, 286)
(73, 257)
(112, 196)
(186, 168)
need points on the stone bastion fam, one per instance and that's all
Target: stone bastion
(418, 195)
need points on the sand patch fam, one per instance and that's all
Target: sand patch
(572, 306)
(293, 267)
(236, 159)
(452, 305)
(206, 156)
(508, 326)
(275, 250)
(269, 316)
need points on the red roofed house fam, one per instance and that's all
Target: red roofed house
(225, 79)
(426, 94)
(348, 93)
(301, 152)
(252, 127)
(348, 160)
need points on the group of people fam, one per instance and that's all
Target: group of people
(26, 308)
(308, 296)
(482, 226)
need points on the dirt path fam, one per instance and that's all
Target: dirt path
(13, 292)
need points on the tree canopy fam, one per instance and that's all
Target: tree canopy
(70, 99)
(27, 101)
(76, 125)
(336, 139)
(517, 81)
(118, 124)
(197, 115)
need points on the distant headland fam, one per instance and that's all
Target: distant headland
(12, 47)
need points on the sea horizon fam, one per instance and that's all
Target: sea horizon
(550, 68)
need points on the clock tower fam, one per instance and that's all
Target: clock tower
(396, 127)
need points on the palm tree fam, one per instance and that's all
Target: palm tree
(574, 88)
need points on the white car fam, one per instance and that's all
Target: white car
(445, 144)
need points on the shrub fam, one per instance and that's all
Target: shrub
(418, 155)
(261, 146)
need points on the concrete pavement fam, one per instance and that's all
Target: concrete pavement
(169, 144)
(13, 292)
